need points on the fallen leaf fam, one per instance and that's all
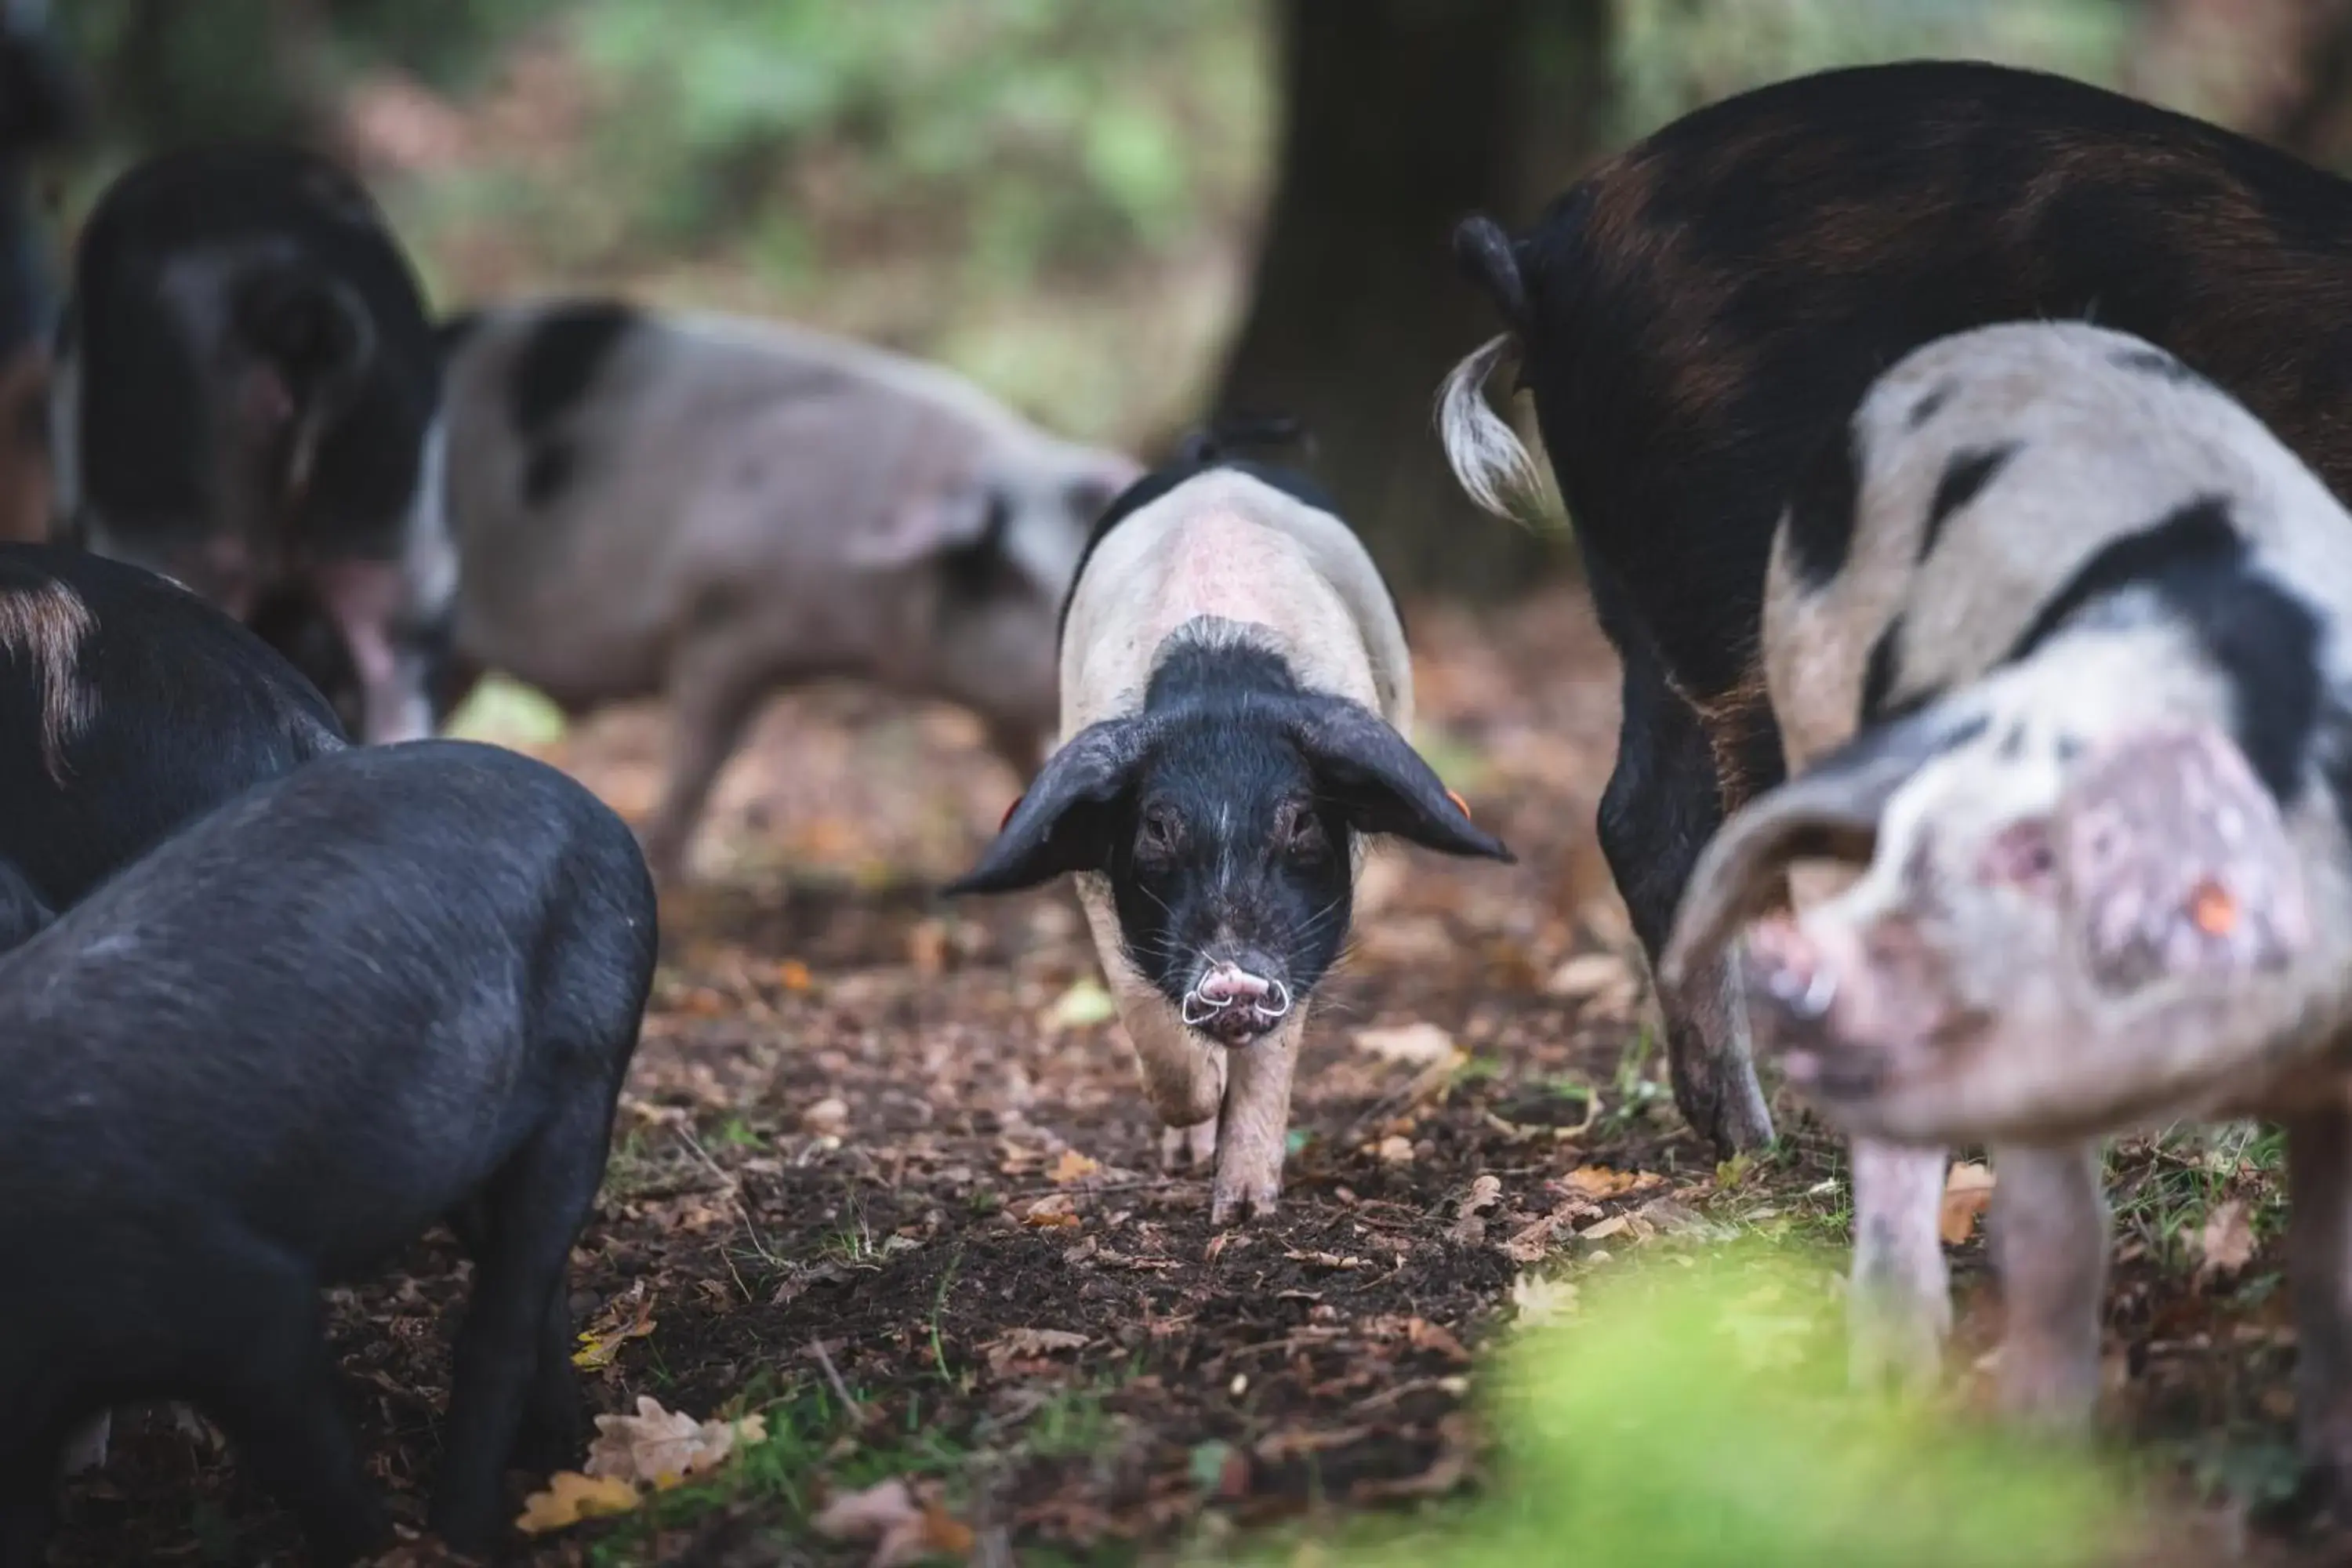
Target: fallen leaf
(1415, 1045)
(1051, 1212)
(1587, 974)
(1084, 1002)
(1396, 1150)
(660, 1448)
(903, 1530)
(1614, 1224)
(2227, 1242)
(1601, 1181)
(1027, 1344)
(793, 975)
(830, 1114)
(603, 1340)
(1966, 1190)
(927, 947)
(571, 1497)
(1537, 1300)
(1485, 1192)
(1072, 1166)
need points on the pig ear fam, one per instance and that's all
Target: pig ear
(937, 524)
(1830, 811)
(2174, 863)
(1380, 784)
(1062, 823)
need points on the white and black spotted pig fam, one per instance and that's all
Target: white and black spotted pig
(714, 507)
(1235, 697)
(2070, 746)
(247, 399)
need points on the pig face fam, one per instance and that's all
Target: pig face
(1225, 830)
(2053, 934)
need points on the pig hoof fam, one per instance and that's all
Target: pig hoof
(1189, 1148)
(1228, 1206)
(1899, 1349)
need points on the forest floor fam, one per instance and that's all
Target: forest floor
(883, 1173)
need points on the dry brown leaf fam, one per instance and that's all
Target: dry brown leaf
(1966, 1190)
(660, 1448)
(2227, 1242)
(829, 1115)
(1601, 1181)
(1615, 1225)
(571, 1497)
(602, 1340)
(1414, 1044)
(1072, 1166)
(1395, 1151)
(793, 975)
(1485, 1192)
(1027, 1344)
(903, 1530)
(1587, 974)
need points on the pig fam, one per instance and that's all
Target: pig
(397, 986)
(248, 400)
(2066, 825)
(714, 508)
(128, 706)
(1236, 694)
(40, 108)
(1703, 308)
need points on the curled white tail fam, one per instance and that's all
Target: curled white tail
(1489, 461)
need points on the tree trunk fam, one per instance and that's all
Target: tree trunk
(1404, 117)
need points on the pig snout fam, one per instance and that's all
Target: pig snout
(1233, 1003)
(1795, 981)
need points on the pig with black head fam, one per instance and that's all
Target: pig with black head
(1235, 697)
(2070, 742)
(715, 509)
(248, 400)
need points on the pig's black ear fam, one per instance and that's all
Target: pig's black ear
(1063, 823)
(1830, 812)
(1379, 783)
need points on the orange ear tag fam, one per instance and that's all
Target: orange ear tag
(1459, 803)
(2213, 909)
(1010, 810)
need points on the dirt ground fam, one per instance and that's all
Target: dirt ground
(880, 1150)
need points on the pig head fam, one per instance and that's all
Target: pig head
(2053, 934)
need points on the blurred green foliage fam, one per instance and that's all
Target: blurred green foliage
(1055, 196)
(1695, 1413)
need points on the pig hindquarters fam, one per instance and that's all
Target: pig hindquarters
(397, 986)
(2085, 864)
(247, 399)
(1698, 314)
(714, 509)
(1234, 690)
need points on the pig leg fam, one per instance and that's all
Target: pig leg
(368, 601)
(270, 1380)
(540, 1202)
(554, 1417)
(716, 683)
(2049, 1235)
(1661, 804)
(2319, 1268)
(1899, 1301)
(1183, 1076)
(1256, 1125)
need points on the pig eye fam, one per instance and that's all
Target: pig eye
(1157, 835)
(2020, 855)
(1298, 832)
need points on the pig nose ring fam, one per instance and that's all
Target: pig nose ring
(1818, 995)
(1276, 1003)
(1208, 1009)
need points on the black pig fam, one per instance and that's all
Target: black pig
(248, 399)
(397, 986)
(1702, 312)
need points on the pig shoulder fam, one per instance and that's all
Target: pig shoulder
(1228, 548)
